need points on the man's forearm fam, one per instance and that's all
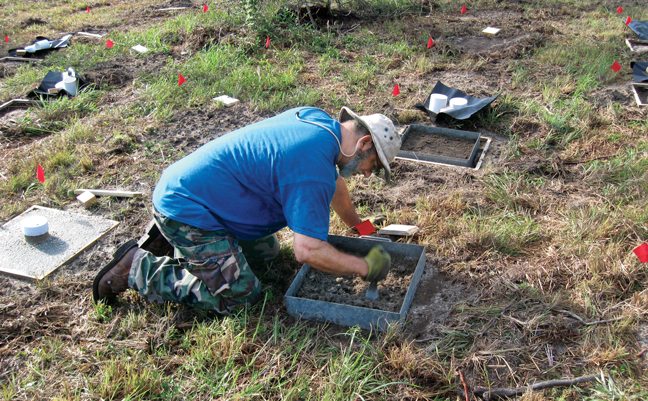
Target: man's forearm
(323, 256)
(341, 204)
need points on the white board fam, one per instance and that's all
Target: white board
(398, 229)
(70, 234)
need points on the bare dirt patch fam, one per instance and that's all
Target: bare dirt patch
(121, 72)
(436, 298)
(620, 94)
(436, 144)
(193, 128)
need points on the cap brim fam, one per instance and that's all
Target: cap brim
(347, 114)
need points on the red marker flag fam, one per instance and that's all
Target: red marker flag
(620, 9)
(40, 173)
(365, 228)
(205, 8)
(463, 9)
(616, 66)
(628, 20)
(6, 38)
(396, 91)
(430, 42)
(267, 42)
(88, 9)
(642, 252)
(181, 80)
(109, 44)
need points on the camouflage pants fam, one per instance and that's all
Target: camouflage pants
(209, 269)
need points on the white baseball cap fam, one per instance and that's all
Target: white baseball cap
(383, 133)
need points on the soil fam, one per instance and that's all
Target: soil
(193, 128)
(351, 290)
(437, 144)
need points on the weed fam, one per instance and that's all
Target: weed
(102, 312)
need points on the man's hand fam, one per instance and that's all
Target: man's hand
(379, 263)
(377, 219)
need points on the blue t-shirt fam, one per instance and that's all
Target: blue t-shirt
(259, 179)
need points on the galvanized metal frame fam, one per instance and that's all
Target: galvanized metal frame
(431, 158)
(348, 315)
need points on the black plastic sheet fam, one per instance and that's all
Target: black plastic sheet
(56, 44)
(474, 104)
(640, 28)
(50, 81)
(639, 71)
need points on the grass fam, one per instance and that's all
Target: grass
(548, 227)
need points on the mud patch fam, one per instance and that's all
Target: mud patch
(351, 290)
(120, 73)
(621, 94)
(201, 37)
(178, 3)
(110, 74)
(323, 17)
(193, 128)
(497, 47)
(32, 21)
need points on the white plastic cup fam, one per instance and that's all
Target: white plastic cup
(69, 84)
(457, 102)
(437, 102)
(43, 44)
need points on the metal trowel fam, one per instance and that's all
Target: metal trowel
(372, 291)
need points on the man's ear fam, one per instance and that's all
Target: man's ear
(365, 143)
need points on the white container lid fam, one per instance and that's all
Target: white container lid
(458, 102)
(34, 226)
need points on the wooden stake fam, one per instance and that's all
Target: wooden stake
(105, 192)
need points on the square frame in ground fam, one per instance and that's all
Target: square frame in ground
(640, 92)
(348, 315)
(70, 234)
(427, 158)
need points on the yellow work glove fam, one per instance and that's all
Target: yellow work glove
(379, 263)
(377, 219)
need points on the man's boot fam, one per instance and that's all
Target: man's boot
(113, 278)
